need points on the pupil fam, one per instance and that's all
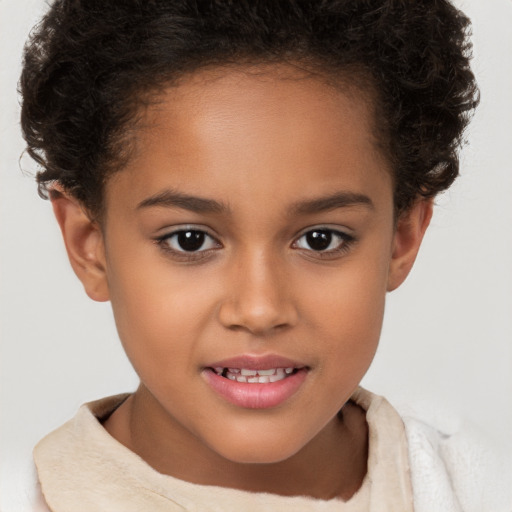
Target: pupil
(319, 240)
(191, 240)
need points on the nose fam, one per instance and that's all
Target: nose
(257, 297)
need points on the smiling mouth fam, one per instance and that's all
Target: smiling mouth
(256, 382)
(251, 376)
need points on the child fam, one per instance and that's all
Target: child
(245, 181)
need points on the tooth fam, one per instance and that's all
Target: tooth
(241, 378)
(267, 372)
(263, 380)
(218, 369)
(234, 370)
(275, 378)
(288, 370)
(252, 379)
(248, 373)
(230, 376)
(280, 371)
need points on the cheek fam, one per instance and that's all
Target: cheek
(351, 298)
(352, 323)
(346, 310)
(158, 311)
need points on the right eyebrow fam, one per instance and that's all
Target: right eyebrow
(169, 198)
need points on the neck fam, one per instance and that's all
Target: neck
(331, 465)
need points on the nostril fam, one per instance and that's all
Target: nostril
(239, 317)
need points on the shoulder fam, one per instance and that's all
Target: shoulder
(454, 467)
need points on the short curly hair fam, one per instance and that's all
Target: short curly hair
(90, 65)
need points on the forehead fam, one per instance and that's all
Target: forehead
(239, 98)
(253, 128)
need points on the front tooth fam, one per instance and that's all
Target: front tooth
(280, 372)
(276, 377)
(248, 373)
(267, 372)
(263, 380)
(252, 379)
(241, 378)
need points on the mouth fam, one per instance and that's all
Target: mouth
(254, 376)
(256, 382)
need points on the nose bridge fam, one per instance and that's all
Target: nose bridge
(258, 298)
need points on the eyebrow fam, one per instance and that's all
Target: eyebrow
(172, 199)
(332, 202)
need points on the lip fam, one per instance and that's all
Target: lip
(252, 362)
(254, 395)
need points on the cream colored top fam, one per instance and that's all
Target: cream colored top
(82, 468)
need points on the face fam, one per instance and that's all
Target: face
(250, 238)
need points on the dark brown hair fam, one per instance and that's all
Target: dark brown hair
(90, 64)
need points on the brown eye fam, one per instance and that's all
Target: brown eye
(323, 240)
(189, 240)
(319, 240)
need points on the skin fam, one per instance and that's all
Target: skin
(265, 155)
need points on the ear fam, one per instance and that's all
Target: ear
(411, 227)
(84, 243)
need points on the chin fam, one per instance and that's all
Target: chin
(258, 451)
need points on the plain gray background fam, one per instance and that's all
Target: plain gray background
(447, 337)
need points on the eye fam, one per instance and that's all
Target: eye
(188, 241)
(324, 240)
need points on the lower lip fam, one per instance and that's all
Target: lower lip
(255, 396)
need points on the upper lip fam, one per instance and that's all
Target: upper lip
(254, 362)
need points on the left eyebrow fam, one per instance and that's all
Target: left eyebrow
(331, 202)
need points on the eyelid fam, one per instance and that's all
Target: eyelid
(169, 232)
(345, 234)
(342, 230)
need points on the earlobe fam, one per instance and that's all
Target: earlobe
(84, 244)
(410, 229)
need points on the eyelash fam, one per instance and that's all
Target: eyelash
(345, 241)
(183, 255)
